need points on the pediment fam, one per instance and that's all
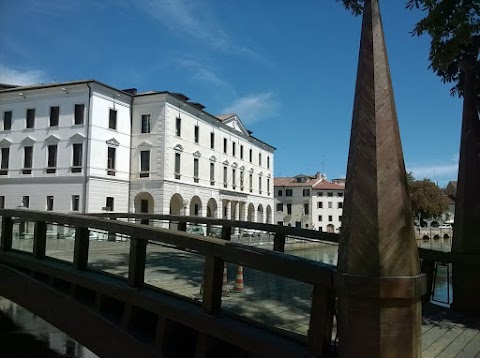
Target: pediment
(178, 148)
(226, 162)
(145, 143)
(27, 141)
(242, 167)
(235, 123)
(251, 170)
(213, 159)
(52, 139)
(77, 137)
(234, 164)
(5, 142)
(197, 154)
(112, 142)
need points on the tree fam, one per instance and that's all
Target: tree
(427, 198)
(454, 28)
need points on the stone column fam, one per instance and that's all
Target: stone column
(228, 205)
(466, 231)
(378, 282)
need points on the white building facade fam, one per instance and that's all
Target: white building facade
(87, 147)
(310, 202)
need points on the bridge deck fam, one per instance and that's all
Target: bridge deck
(267, 299)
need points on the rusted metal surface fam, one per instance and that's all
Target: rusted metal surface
(377, 239)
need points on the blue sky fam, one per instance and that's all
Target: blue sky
(287, 68)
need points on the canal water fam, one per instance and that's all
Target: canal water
(22, 334)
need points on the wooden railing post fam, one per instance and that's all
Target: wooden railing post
(39, 239)
(7, 233)
(112, 236)
(182, 226)
(321, 320)
(136, 262)
(279, 242)
(213, 278)
(428, 268)
(80, 253)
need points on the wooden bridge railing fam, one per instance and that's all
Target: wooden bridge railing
(215, 252)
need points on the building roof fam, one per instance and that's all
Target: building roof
(328, 185)
(224, 117)
(293, 182)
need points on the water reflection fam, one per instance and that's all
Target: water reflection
(23, 334)
(442, 294)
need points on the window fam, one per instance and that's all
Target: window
(340, 218)
(320, 205)
(52, 159)
(144, 206)
(144, 164)
(26, 201)
(234, 148)
(196, 133)
(289, 209)
(5, 159)
(241, 180)
(268, 162)
(280, 207)
(260, 185)
(212, 140)
(112, 119)
(234, 178)
(340, 205)
(49, 203)
(225, 145)
(27, 160)
(79, 113)
(178, 126)
(250, 182)
(212, 173)
(319, 217)
(340, 194)
(145, 123)
(280, 193)
(54, 116)
(7, 120)
(306, 192)
(260, 159)
(109, 203)
(2, 202)
(319, 193)
(195, 170)
(111, 161)
(30, 117)
(268, 186)
(298, 224)
(330, 204)
(77, 158)
(306, 209)
(330, 218)
(75, 202)
(288, 192)
(225, 175)
(241, 151)
(280, 223)
(177, 165)
(330, 193)
(250, 154)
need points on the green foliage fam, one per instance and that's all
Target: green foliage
(426, 197)
(454, 28)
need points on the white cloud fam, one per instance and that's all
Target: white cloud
(21, 77)
(442, 172)
(195, 20)
(201, 72)
(253, 107)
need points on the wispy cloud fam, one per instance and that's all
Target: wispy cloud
(254, 107)
(51, 8)
(21, 77)
(442, 172)
(202, 72)
(195, 20)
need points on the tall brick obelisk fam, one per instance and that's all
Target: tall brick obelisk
(379, 284)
